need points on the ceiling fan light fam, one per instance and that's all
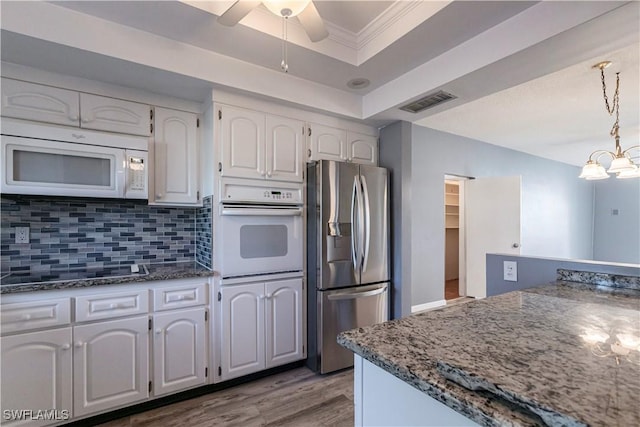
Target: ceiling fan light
(592, 171)
(621, 164)
(634, 173)
(286, 8)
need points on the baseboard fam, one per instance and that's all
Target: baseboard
(428, 306)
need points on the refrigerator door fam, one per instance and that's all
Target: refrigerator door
(340, 199)
(374, 257)
(344, 309)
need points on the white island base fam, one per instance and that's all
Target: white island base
(381, 399)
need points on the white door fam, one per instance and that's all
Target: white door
(114, 115)
(242, 143)
(110, 364)
(40, 103)
(179, 360)
(174, 150)
(284, 149)
(362, 149)
(242, 325)
(327, 143)
(36, 372)
(283, 322)
(492, 225)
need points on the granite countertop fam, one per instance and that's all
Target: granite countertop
(168, 271)
(549, 355)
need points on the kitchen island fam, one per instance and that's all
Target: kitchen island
(566, 354)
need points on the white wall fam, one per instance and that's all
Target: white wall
(617, 237)
(556, 206)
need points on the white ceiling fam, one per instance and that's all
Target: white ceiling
(520, 69)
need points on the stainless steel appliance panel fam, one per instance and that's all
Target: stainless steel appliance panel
(374, 253)
(344, 309)
(337, 236)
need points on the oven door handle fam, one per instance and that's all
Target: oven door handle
(260, 211)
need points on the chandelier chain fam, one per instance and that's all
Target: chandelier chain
(615, 105)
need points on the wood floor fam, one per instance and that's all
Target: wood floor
(297, 397)
(451, 289)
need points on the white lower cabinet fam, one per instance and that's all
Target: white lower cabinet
(179, 350)
(110, 364)
(36, 375)
(261, 326)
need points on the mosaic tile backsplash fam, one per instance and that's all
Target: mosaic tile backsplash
(72, 233)
(204, 237)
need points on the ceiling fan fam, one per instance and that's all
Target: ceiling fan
(305, 10)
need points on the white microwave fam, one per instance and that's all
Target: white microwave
(42, 159)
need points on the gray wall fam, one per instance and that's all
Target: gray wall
(395, 154)
(556, 205)
(617, 237)
(539, 271)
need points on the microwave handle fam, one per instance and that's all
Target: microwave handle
(260, 212)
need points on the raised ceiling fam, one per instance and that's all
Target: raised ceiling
(493, 55)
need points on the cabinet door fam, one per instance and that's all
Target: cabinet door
(362, 149)
(36, 372)
(242, 325)
(283, 322)
(326, 143)
(114, 115)
(242, 143)
(179, 352)
(110, 364)
(40, 103)
(174, 152)
(285, 146)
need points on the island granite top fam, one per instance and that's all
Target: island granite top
(167, 271)
(561, 354)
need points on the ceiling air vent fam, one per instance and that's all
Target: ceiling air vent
(428, 101)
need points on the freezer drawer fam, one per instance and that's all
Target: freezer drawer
(344, 309)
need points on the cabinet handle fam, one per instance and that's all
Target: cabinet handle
(73, 118)
(269, 174)
(159, 196)
(309, 152)
(158, 331)
(77, 136)
(113, 305)
(26, 317)
(85, 120)
(78, 344)
(262, 173)
(66, 346)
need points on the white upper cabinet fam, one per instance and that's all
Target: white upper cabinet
(285, 146)
(362, 148)
(326, 143)
(260, 146)
(174, 150)
(40, 103)
(114, 115)
(242, 142)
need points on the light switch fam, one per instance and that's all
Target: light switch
(511, 271)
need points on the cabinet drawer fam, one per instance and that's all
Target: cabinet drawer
(107, 306)
(35, 314)
(179, 296)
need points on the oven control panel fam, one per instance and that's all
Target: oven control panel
(258, 192)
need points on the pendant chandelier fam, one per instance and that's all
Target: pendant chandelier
(621, 163)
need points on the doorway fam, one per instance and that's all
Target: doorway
(454, 241)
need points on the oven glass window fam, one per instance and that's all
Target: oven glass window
(263, 241)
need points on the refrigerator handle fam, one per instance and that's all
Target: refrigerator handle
(354, 227)
(367, 223)
(355, 295)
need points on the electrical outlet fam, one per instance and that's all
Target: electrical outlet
(22, 234)
(511, 271)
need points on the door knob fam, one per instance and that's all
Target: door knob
(515, 245)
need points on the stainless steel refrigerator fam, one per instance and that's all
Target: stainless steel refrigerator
(347, 256)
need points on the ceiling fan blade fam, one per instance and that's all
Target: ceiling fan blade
(237, 11)
(312, 23)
